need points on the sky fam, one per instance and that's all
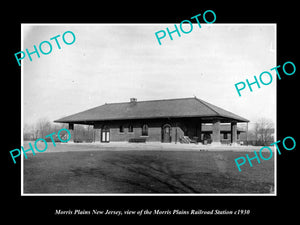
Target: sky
(110, 63)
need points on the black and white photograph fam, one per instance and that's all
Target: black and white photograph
(146, 111)
(145, 118)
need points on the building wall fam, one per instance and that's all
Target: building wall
(179, 128)
(154, 129)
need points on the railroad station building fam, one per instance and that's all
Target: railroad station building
(166, 121)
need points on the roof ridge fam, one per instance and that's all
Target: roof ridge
(115, 103)
(205, 103)
(152, 109)
(158, 100)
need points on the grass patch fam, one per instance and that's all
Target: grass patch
(145, 172)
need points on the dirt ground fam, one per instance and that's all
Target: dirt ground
(92, 169)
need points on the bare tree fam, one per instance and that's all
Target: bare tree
(43, 127)
(28, 132)
(264, 131)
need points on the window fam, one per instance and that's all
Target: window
(145, 130)
(225, 136)
(130, 128)
(121, 129)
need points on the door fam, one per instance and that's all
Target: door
(105, 134)
(166, 133)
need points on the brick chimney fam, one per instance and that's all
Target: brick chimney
(133, 100)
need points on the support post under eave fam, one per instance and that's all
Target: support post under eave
(247, 134)
(71, 129)
(233, 133)
(216, 133)
(199, 131)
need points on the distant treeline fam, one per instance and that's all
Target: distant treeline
(261, 133)
(43, 127)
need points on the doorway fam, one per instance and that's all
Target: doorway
(105, 134)
(166, 134)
